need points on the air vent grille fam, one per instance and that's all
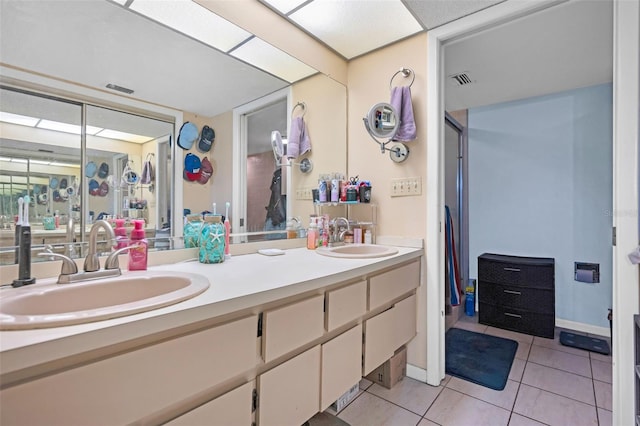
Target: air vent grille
(461, 79)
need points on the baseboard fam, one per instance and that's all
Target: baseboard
(582, 327)
(417, 373)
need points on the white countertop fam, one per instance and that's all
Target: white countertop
(239, 283)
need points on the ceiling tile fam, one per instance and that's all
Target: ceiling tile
(285, 6)
(433, 13)
(354, 27)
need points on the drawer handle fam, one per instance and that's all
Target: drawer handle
(512, 269)
(512, 292)
(513, 315)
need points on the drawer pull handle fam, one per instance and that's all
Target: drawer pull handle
(512, 292)
(513, 315)
(512, 269)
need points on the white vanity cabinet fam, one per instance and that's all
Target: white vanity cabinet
(341, 365)
(232, 408)
(345, 304)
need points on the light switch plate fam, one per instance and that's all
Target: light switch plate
(405, 187)
(303, 194)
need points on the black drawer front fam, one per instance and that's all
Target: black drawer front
(530, 299)
(517, 320)
(516, 274)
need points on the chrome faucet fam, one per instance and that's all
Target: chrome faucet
(91, 262)
(337, 237)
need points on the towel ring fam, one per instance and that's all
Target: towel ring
(405, 73)
(301, 105)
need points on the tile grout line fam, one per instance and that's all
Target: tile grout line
(398, 405)
(564, 371)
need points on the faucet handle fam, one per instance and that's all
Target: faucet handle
(69, 267)
(112, 261)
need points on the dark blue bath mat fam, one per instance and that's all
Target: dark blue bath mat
(584, 342)
(479, 358)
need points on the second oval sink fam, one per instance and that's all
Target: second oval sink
(357, 251)
(65, 304)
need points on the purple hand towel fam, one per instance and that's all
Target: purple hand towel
(401, 101)
(299, 142)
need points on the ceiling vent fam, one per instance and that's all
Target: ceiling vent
(461, 79)
(119, 88)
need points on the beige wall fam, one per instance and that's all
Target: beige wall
(368, 84)
(326, 120)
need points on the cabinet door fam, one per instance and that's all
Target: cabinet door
(289, 394)
(385, 287)
(341, 365)
(387, 331)
(232, 408)
(346, 304)
(291, 326)
(125, 388)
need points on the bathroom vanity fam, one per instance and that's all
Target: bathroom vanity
(272, 341)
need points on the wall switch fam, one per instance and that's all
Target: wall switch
(303, 194)
(404, 187)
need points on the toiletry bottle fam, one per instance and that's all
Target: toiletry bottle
(322, 189)
(312, 234)
(368, 238)
(138, 254)
(121, 234)
(335, 190)
(292, 232)
(56, 218)
(212, 240)
(469, 302)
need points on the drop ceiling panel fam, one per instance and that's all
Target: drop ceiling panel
(121, 47)
(433, 13)
(353, 27)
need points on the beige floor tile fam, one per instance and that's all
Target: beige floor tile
(559, 382)
(365, 383)
(425, 422)
(445, 380)
(561, 360)
(523, 350)
(411, 394)
(370, 410)
(504, 398)
(517, 369)
(470, 326)
(508, 334)
(602, 371)
(518, 420)
(605, 417)
(553, 409)
(603, 395)
(555, 344)
(601, 357)
(455, 409)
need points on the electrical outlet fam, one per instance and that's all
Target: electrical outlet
(404, 187)
(303, 194)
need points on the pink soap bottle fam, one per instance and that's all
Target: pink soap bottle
(121, 234)
(138, 254)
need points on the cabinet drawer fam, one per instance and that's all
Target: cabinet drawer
(519, 274)
(290, 393)
(387, 286)
(341, 365)
(127, 387)
(232, 408)
(346, 304)
(538, 324)
(531, 299)
(387, 331)
(292, 326)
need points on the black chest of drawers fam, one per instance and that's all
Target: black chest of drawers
(517, 293)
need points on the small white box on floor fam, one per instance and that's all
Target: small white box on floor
(345, 398)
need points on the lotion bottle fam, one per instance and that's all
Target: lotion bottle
(312, 234)
(121, 234)
(138, 254)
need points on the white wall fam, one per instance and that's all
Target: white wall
(540, 182)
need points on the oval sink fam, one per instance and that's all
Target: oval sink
(357, 251)
(56, 305)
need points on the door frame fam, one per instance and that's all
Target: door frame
(625, 168)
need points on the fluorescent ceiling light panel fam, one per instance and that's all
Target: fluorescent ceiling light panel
(66, 127)
(123, 136)
(22, 120)
(193, 20)
(354, 27)
(273, 60)
(285, 6)
(75, 166)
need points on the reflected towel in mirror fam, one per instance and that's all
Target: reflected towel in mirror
(299, 142)
(401, 102)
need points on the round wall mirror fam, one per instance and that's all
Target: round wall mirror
(382, 121)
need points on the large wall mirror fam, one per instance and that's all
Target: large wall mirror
(51, 76)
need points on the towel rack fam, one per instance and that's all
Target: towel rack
(301, 105)
(406, 72)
